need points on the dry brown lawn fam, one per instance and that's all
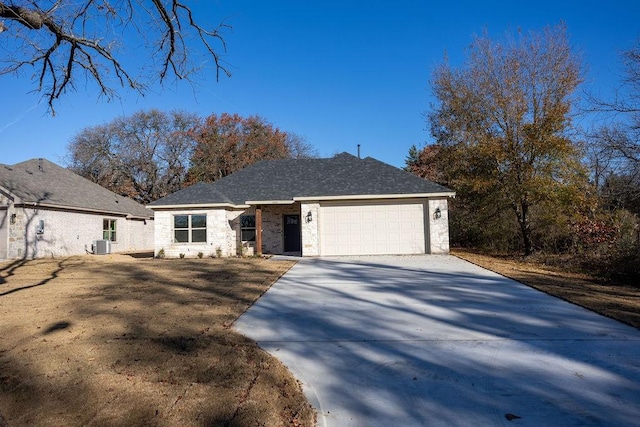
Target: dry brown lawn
(618, 301)
(114, 340)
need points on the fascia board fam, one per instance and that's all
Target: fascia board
(197, 206)
(11, 196)
(270, 202)
(377, 196)
(81, 209)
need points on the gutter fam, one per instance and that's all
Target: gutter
(376, 196)
(77, 209)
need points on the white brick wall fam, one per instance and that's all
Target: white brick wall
(70, 233)
(220, 235)
(438, 228)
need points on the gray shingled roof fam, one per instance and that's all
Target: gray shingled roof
(42, 182)
(342, 175)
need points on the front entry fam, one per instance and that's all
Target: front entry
(292, 241)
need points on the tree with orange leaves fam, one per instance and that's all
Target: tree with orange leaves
(227, 143)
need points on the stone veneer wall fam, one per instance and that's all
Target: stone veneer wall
(438, 229)
(5, 212)
(223, 232)
(272, 226)
(310, 230)
(70, 233)
(219, 234)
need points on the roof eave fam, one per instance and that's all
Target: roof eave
(80, 209)
(9, 194)
(377, 196)
(270, 202)
(197, 206)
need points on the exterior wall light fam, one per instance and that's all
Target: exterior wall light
(308, 217)
(437, 214)
(12, 219)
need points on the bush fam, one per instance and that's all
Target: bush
(608, 244)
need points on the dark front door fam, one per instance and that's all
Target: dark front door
(292, 233)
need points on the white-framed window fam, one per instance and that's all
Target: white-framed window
(189, 229)
(109, 230)
(248, 228)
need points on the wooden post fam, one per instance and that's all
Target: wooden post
(258, 230)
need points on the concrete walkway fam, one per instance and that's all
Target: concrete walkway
(437, 341)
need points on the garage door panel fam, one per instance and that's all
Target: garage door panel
(372, 228)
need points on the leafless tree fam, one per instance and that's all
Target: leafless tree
(299, 147)
(144, 156)
(63, 41)
(615, 146)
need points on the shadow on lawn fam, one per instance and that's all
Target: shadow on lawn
(151, 345)
(14, 267)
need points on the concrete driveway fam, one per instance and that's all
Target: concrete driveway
(437, 341)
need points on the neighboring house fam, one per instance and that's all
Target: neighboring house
(48, 211)
(311, 207)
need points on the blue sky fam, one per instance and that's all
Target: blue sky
(336, 72)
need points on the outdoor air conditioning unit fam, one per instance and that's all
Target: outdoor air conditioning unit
(101, 247)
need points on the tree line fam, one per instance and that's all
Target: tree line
(150, 154)
(528, 178)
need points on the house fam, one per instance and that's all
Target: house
(311, 207)
(48, 211)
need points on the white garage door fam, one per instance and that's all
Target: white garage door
(372, 228)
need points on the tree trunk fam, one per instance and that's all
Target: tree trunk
(525, 227)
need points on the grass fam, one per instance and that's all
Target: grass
(620, 301)
(115, 340)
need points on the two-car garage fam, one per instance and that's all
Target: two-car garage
(372, 227)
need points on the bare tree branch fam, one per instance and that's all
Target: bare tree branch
(64, 40)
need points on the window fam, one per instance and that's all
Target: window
(190, 229)
(248, 228)
(109, 229)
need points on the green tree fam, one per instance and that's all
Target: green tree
(63, 42)
(501, 123)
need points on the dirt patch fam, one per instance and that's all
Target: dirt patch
(115, 340)
(618, 301)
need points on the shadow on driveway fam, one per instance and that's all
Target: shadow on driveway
(435, 340)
